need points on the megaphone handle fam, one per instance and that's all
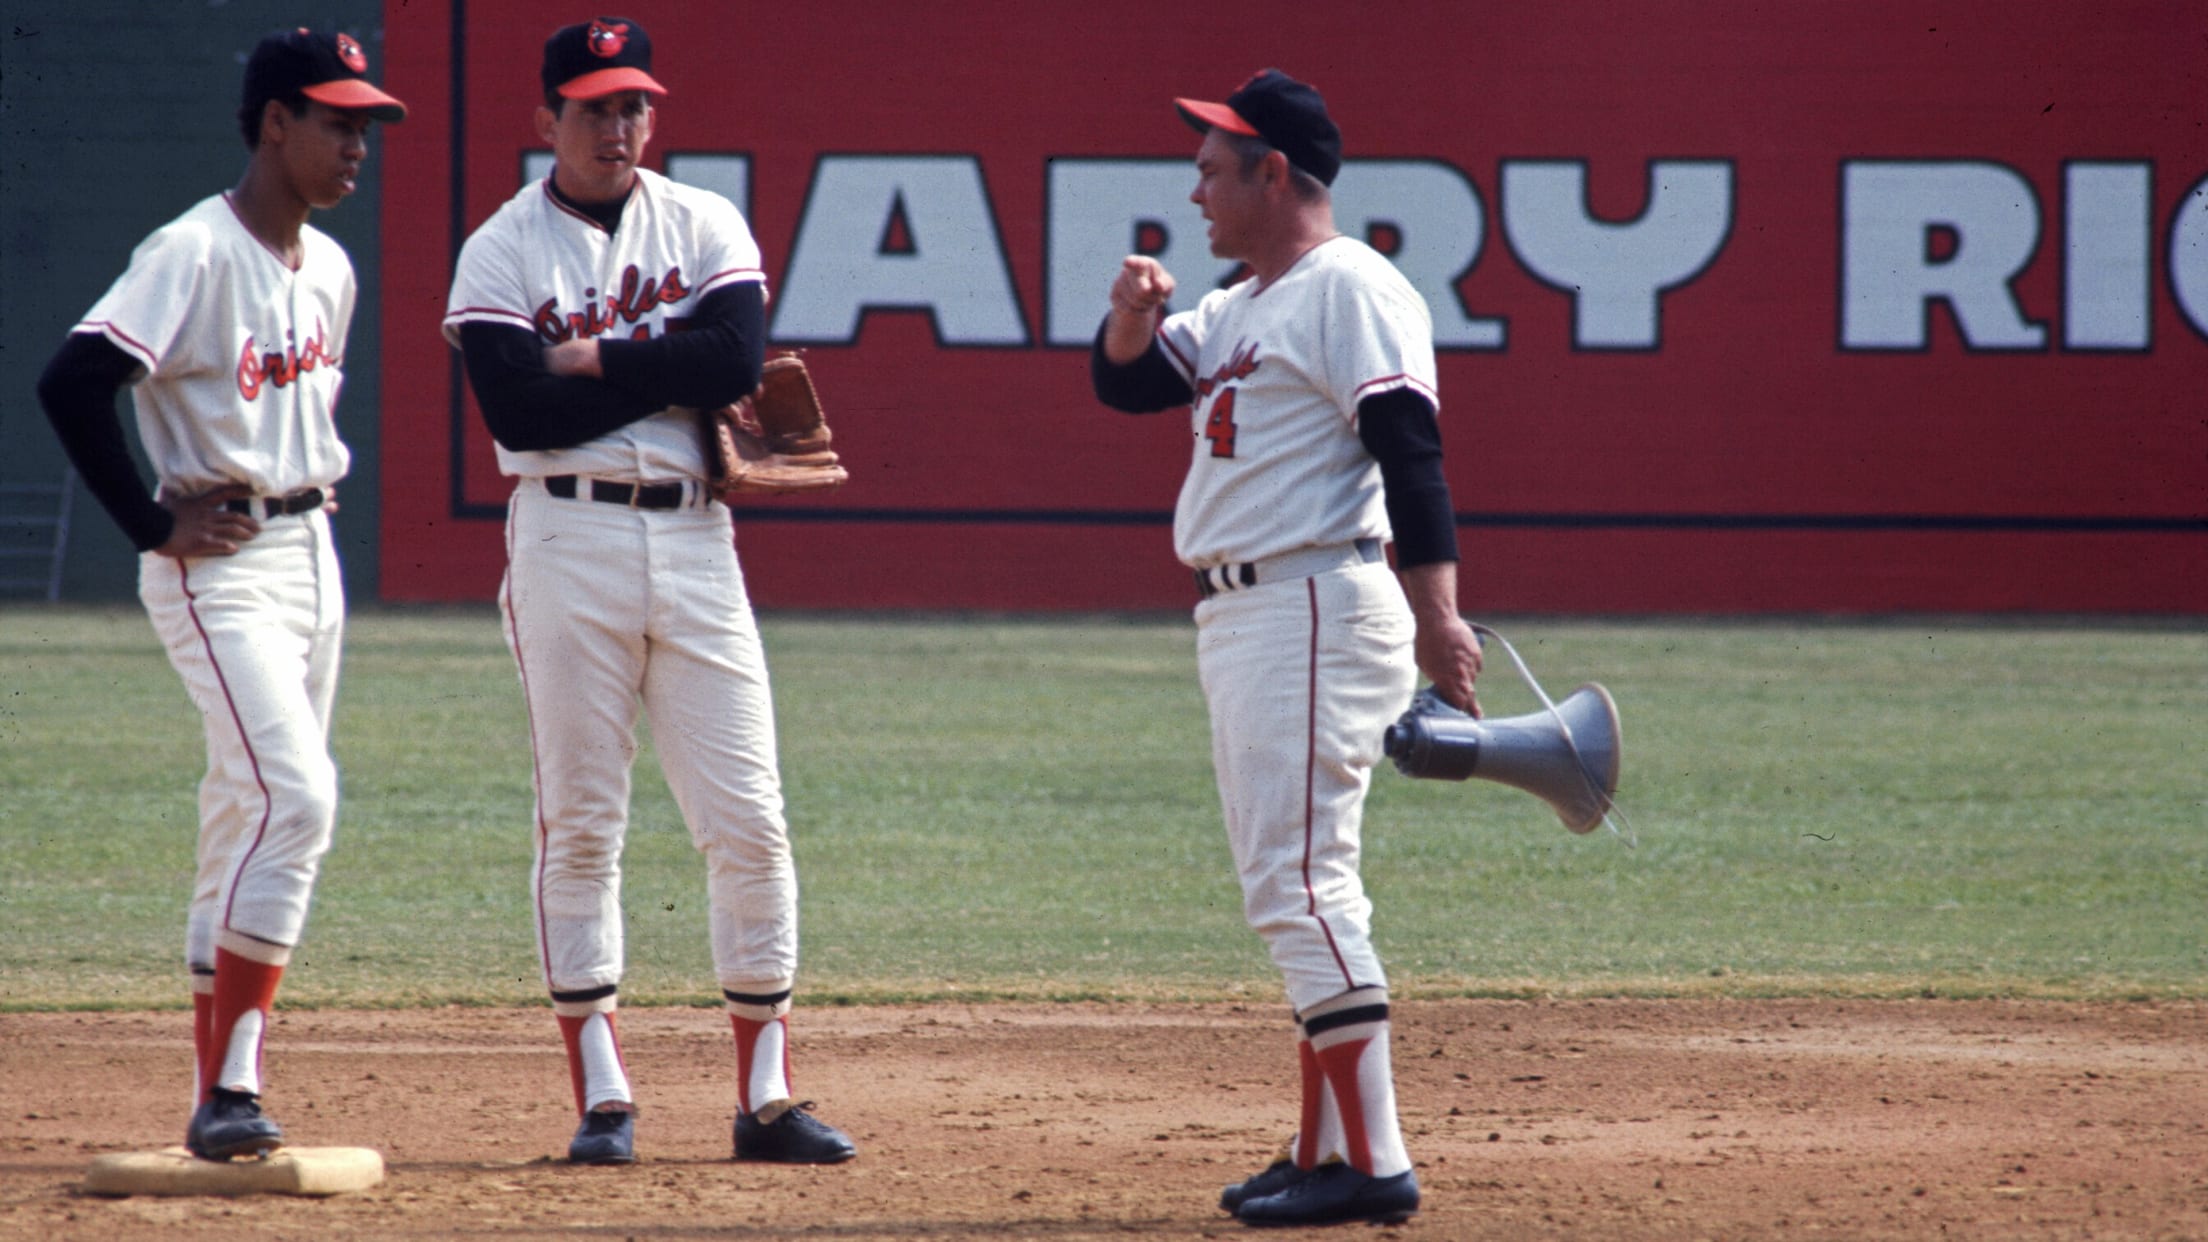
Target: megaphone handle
(1527, 673)
(1570, 743)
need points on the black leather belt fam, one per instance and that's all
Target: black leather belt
(634, 495)
(279, 506)
(1301, 563)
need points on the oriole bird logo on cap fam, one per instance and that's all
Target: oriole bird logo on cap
(349, 52)
(605, 40)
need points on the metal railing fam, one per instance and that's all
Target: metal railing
(34, 536)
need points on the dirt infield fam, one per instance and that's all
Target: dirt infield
(1529, 1119)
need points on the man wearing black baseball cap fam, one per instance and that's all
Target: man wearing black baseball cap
(1289, 115)
(234, 364)
(593, 59)
(596, 313)
(1313, 396)
(305, 64)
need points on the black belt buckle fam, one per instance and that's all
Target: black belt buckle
(634, 495)
(653, 495)
(305, 501)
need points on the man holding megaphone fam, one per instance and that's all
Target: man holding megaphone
(1313, 397)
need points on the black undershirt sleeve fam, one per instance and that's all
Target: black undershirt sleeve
(1399, 429)
(78, 391)
(707, 360)
(1145, 386)
(527, 407)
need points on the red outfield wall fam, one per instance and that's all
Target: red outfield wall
(1839, 308)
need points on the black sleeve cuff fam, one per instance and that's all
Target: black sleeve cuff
(1145, 386)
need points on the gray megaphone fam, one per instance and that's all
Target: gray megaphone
(1568, 758)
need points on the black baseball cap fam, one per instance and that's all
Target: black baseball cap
(327, 68)
(1289, 115)
(599, 57)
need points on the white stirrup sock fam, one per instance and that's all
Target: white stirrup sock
(1349, 1035)
(604, 1079)
(241, 1058)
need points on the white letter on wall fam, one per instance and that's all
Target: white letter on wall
(1889, 212)
(1435, 213)
(2189, 256)
(953, 265)
(1096, 215)
(1616, 273)
(2108, 222)
(726, 175)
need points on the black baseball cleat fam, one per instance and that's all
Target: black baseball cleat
(230, 1124)
(795, 1137)
(1332, 1193)
(604, 1138)
(1274, 1179)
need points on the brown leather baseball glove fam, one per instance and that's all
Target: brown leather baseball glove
(774, 441)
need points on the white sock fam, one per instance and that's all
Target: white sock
(604, 1081)
(241, 1058)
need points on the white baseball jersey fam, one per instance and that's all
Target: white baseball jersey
(1302, 674)
(609, 608)
(242, 353)
(1278, 372)
(539, 265)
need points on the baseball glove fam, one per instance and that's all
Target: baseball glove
(774, 441)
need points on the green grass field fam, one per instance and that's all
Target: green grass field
(989, 808)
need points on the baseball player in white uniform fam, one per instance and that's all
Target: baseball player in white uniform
(1312, 394)
(229, 327)
(597, 312)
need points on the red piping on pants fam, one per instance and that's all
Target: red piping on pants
(268, 804)
(1310, 776)
(536, 765)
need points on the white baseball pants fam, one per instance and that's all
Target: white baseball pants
(256, 636)
(608, 608)
(1303, 677)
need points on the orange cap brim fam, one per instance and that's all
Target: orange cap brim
(358, 95)
(609, 82)
(1214, 116)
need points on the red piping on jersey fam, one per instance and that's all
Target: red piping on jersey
(1385, 379)
(1401, 379)
(268, 803)
(1310, 777)
(108, 329)
(499, 311)
(731, 274)
(1187, 367)
(536, 763)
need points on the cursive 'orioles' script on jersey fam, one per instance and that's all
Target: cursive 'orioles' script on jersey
(637, 297)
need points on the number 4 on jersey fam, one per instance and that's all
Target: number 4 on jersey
(1219, 424)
